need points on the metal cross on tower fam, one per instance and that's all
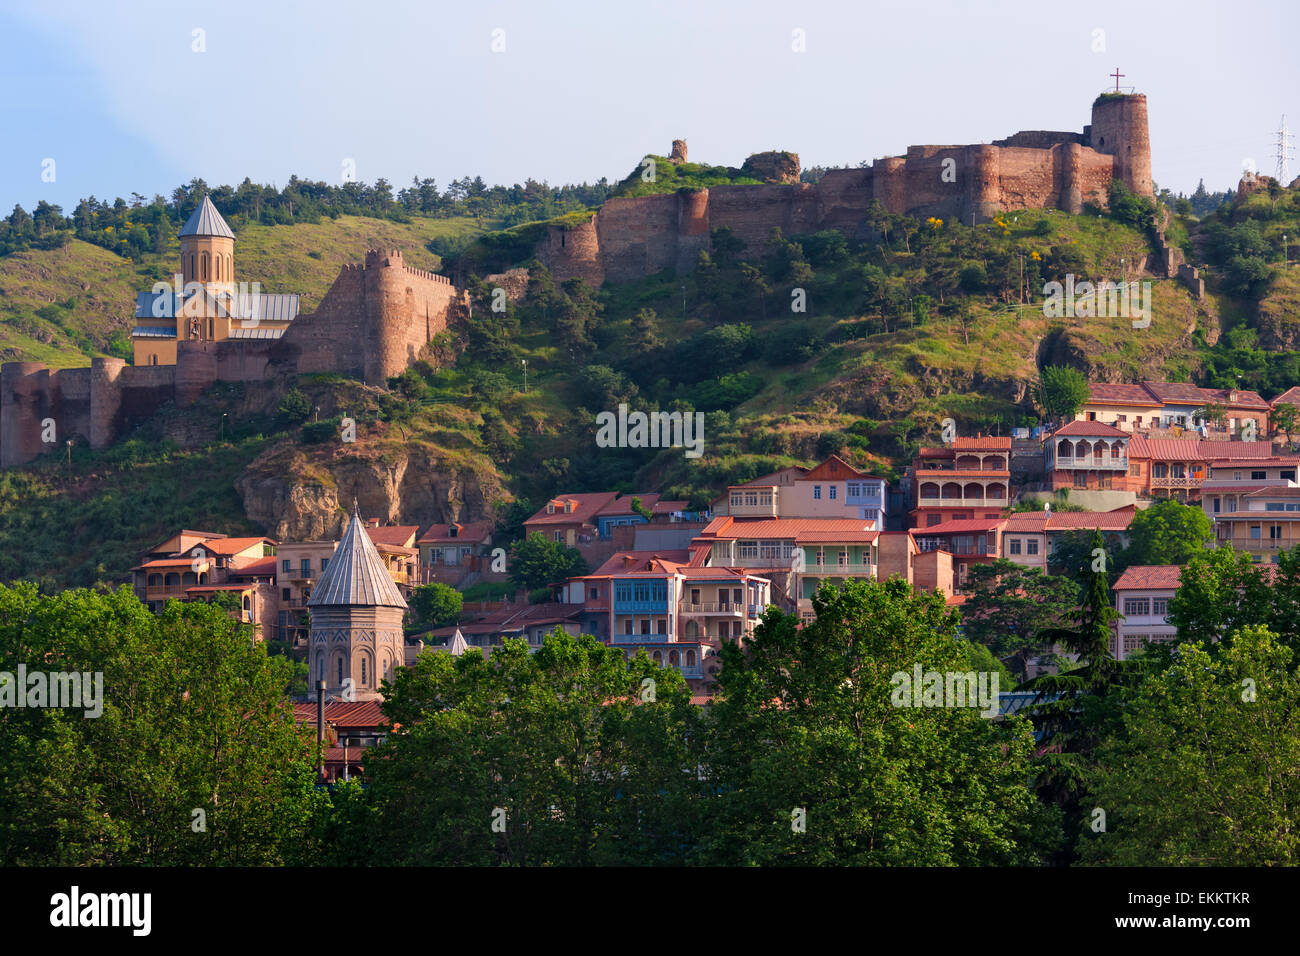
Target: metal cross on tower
(1117, 74)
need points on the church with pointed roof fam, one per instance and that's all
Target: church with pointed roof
(356, 639)
(203, 303)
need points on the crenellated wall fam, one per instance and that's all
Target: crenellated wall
(373, 322)
(1033, 169)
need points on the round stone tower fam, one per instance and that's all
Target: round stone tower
(356, 619)
(983, 195)
(208, 249)
(1119, 129)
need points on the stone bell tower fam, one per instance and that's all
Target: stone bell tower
(356, 619)
(208, 249)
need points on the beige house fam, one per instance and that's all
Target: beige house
(1142, 596)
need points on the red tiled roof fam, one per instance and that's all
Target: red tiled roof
(623, 504)
(634, 562)
(960, 473)
(1117, 520)
(960, 526)
(1091, 429)
(361, 713)
(165, 563)
(1274, 492)
(833, 468)
(1109, 393)
(224, 546)
(585, 508)
(772, 478)
(396, 535)
(1276, 461)
(981, 443)
(727, 527)
(1239, 450)
(475, 532)
(1027, 521)
(1290, 397)
(1149, 577)
(1242, 486)
(668, 507)
(1166, 449)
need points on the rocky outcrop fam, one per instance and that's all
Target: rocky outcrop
(306, 501)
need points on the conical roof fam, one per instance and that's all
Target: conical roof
(457, 645)
(356, 574)
(206, 221)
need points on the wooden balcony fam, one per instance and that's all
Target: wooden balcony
(1091, 461)
(731, 609)
(850, 569)
(1176, 482)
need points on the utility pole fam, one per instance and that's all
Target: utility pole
(320, 726)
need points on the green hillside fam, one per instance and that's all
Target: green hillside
(62, 306)
(922, 322)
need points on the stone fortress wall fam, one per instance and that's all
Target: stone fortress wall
(378, 315)
(371, 324)
(1037, 169)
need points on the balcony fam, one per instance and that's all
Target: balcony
(832, 568)
(989, 502)
(659, 606)
(756, 610)
(713, 608)
(639, 639)
(780, 563)
(1176, 482)
(691, 670)
(753, 511)
(1091, 461)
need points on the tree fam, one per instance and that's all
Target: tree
(1169, 532)
(1285, 420)
(814, 763)
(437, 604)
(194, 718)
(1009, 605)
(538, 561)
(641, 509)
(556, 758)
(1062, 391)
(643, 336)
(295, 407)
(1202, 770)
(1221, 591)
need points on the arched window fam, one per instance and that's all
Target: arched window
(692, 629)
(193, 268)
(173, 580)
(247, 603)
(320, 666)
(203, 265)
(363, 672)
(340, 663)
(210, 335)
(690, 658)
(658, 657)
(189, 578)
(673, 658)
(155, 580)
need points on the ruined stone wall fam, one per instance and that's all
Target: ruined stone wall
(637, 236)
(574, 252)
(752, 211)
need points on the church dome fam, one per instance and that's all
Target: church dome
(206, 221)
(356, 574)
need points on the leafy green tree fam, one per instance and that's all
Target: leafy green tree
(1008, 606)
(807, 734)
(437, 604)
(1221, 591)
(563, 750)
(195, 758)
(1062, 391)
(1202, 771)
(538, 561)
(1285, 420)
(295, 407)
(643, 336)
(1169, 532)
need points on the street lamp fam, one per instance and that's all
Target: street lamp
(221, 434)
(524, 362)
(69, 443)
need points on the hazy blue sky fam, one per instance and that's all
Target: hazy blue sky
(115, 94)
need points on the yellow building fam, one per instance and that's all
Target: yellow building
(204, 303)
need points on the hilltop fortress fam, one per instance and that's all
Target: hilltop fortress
(372, 324)
(379, 315)
(638, 236)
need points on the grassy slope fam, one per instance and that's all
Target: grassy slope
(99, 287)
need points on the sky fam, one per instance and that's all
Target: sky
(113, 96)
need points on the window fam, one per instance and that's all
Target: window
(284, 594)
(340, 663)
(324, 563)
(557, 535)
(550, 507)
(286, 566)
(1274, 532)
(1159, 470)
(1081, 479)
(1254, 532)
(1032, 546)
(1092, 416)
(1258, 476)
(306, 567)
(1137, 607)
(595, 593)
(363, 672)
(817, 492)
(855, 489)
(1160, 606)
(746, 549)
(1135, 471)
(1216, 505)
(833, 491)
(1013, 545)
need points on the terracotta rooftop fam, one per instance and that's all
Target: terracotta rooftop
(1149, 577)
(584, 509)
(634, 562)
(981, 443)
(1091, 429)
(395, 535)
(960, 526)
(1027, 521)
(474, 532)
(1290, 397)
(361, 713)
(227, 546)
(356, 574)
(1117, 520)
(1109, 393)
(727, 527)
